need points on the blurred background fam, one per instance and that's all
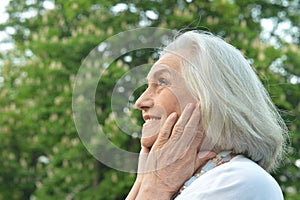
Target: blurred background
(42, 45)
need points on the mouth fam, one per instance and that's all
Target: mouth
(150, 130)
(150, 118)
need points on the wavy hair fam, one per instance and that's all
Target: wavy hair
(237, 111)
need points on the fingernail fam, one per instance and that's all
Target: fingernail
(212, 154)
(189, 105)
(173, 115)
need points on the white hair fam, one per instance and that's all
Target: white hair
(237, 112)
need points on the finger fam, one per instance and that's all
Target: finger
(199, 134)
(143, 159)
(176, 140)
(203, 157)
(192, 130)
(182, 121)
(166, 130)
(144, 150)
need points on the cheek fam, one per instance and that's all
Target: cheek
(170, 102)
(185, 96)
(180, 98)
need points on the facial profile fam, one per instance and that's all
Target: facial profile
(166, 93)
(233, 121)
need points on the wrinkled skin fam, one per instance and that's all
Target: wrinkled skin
(172, 133)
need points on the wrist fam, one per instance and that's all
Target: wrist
(151, 191)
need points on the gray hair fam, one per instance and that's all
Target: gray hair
(237, 112)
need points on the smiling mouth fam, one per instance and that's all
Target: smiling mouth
(149, 118)
(150, 130)
(152, 119)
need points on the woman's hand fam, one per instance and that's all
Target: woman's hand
(137, 184)
(174, 157)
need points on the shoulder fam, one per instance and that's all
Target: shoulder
(240, 178)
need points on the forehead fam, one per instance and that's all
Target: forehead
(168, 63)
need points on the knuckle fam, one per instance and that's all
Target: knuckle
(190, 128)
(178, 128)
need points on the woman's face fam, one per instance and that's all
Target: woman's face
(166, 93)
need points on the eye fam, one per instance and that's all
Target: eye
(162, 82)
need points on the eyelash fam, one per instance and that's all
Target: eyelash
(162, 82)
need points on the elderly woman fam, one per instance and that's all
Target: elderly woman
(211, 130)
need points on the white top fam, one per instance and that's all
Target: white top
(239, 179)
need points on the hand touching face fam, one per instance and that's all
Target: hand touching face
(166, 93)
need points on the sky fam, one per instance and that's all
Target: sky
(3, 36)
(3, 16)
(5, 41)
(267, 24)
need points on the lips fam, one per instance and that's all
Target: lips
(150, 130)
(148, 118)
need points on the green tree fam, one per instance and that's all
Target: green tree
(41, 153)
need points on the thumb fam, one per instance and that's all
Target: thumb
(203, 157)
(143, 160)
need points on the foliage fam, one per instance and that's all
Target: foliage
(41, 154)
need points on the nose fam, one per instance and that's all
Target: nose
(145, 101)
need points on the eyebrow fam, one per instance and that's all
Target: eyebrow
(157, 73)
